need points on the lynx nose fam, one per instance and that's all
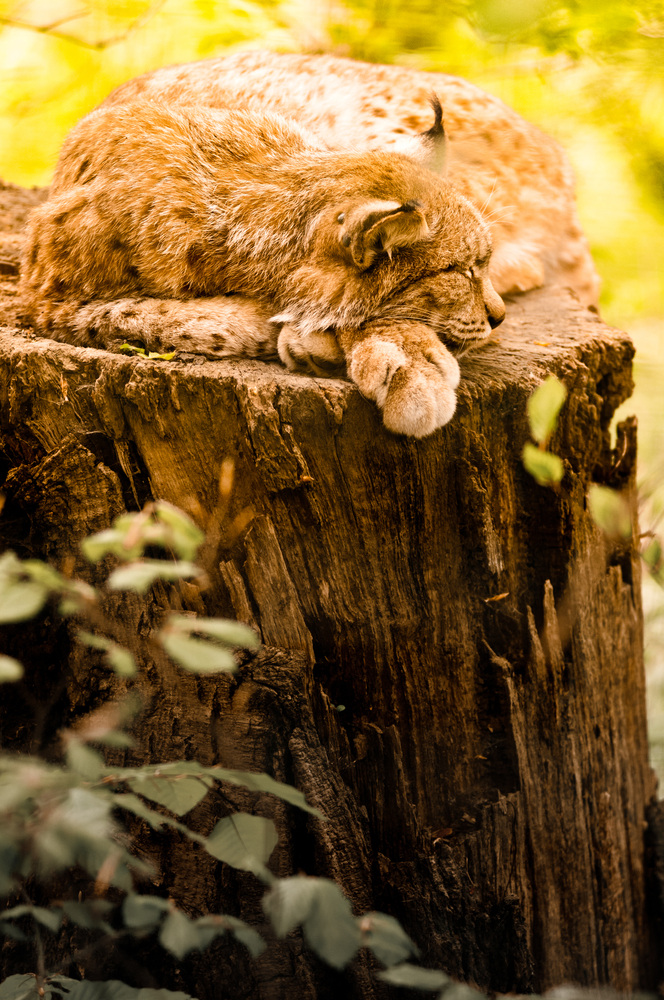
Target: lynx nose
(495, 319)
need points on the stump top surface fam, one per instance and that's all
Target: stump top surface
(544, 331)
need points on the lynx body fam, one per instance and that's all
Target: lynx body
(293, 206)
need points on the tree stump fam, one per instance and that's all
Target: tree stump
(452, 664)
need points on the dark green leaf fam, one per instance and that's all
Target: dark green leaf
(546, 468)
(415, 977)
(245, 842)
(543, 408)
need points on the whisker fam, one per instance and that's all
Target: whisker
(489, 197)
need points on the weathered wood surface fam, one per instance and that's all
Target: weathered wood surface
(487, 778)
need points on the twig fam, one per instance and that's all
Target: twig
(51, 29)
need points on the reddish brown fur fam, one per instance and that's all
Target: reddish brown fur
(185, 214)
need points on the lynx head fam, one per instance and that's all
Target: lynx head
(423, 259)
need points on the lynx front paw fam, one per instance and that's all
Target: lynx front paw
(315, 353)
(412, 382)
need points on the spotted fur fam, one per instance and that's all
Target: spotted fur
(292, 207)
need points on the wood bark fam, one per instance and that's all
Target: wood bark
(452, 665)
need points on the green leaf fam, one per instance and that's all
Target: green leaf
(543, 408)
(652, 555)
(19, 987)
(260, 782)
(386, 938)
(289, 902)
(245, 842)
(546, 468)
(20, 597)
(610, 512)
(131, 802)
(90, 914)
(119, 658)
(460, 991)
(179, 934)
(233, 633)
(41, 572)
(10, 931)
(415, 977)
(179, 794)
(186, 537)
(109, 542)
(254, 781)
(85, 761)
(10, 669)
(49, 918)
(74, 599)
(144, 913)
(246, 935)
(139, 576)
(95, 641)
(196, 655)
(324, 912)
(154, 356)
(124, 665)
(113, 989)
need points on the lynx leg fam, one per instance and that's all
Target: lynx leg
(218, 327)
(315, 353)
(406, 370)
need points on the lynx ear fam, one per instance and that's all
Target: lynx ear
(380, 226)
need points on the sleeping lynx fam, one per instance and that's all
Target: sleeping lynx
(293, 206)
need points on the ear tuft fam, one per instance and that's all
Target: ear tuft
(435, 140)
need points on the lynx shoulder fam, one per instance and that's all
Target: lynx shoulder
(294, 207)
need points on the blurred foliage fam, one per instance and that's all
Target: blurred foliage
(587, 71)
